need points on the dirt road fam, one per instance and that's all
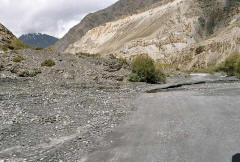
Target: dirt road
(198, 123)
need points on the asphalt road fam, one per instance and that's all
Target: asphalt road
(199, 123)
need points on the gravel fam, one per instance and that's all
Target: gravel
(62, 112)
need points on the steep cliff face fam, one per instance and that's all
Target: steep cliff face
(121, 8)
(5, 35)
(186, 33)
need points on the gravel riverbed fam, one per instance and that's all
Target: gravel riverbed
(64, 111)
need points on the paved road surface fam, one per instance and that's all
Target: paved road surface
(199, 123)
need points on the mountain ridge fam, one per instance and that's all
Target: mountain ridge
(92, 20)
(169, 31)
(38, 39)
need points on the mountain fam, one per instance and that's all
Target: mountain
(38, 40)
(6, 36)
(184, 33)
(117, 10)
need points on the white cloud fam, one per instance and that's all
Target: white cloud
(54, 17)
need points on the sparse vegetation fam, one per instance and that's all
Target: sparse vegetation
(18, 59)
(88, 54)
(17, 45)
(210, 69)
(133, 77)
(199, 50)
(14, 51)
(14, 45)
(231, 65)
(50, 49)
(3, 48)
(144, 70)
(38, 48)
(124, 60)
(48, 63)
(166, 66)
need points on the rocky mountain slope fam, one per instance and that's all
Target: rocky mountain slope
(38, 40)
(5, 35)
(184, 33)
(121, 8)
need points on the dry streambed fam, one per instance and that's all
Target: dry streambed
(63, 111)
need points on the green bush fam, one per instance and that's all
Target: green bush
(133, 77)
(18, 59)
(48, 63)
(144, 70)
(231, 65)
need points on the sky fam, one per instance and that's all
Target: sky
(53, 17)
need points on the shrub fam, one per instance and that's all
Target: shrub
(144, 70)
(37, 48)
(17, 45)
(18, 59)
(48, 63)
(124, 60)
(133, 77)
(14, 45)
(231, 65)
(50, 49)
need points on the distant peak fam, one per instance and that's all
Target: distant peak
(38, 39)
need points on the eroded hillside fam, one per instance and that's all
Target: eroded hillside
(186, 33)
(120, 8)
